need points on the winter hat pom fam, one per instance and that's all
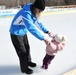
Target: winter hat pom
(59, 38)
(40, 4)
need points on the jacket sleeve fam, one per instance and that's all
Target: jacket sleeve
(51, 46)
(61, 46)
(31, 27)
(42, 27)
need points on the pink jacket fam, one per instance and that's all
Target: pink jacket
(54, 47)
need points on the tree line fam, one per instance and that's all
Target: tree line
(16, 3)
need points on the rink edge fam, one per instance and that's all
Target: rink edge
(44, 13)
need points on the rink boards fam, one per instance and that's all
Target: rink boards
(58, 12)
(12, 12)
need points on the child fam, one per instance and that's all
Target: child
(57, 44)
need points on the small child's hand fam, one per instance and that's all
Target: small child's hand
(46, 41)
(51, 34)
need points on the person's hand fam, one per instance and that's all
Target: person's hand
(46, 41)
(51, 34)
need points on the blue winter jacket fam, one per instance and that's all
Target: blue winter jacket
(25, 21)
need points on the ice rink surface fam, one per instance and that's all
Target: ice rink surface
(62, 23)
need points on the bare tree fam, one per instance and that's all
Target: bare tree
(66, 2)
(16, 3)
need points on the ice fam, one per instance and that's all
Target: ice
(62, 23)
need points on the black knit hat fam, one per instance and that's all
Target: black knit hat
(40, 4)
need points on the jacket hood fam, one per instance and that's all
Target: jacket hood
(27, 7)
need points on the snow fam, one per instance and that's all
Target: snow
(63, 23)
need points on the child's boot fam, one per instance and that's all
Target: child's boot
(45, 66)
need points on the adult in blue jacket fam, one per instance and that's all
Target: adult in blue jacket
(27, 20)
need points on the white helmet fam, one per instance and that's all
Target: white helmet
(59, 38)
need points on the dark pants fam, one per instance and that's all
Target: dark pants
(22, 49)
(47, 59)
